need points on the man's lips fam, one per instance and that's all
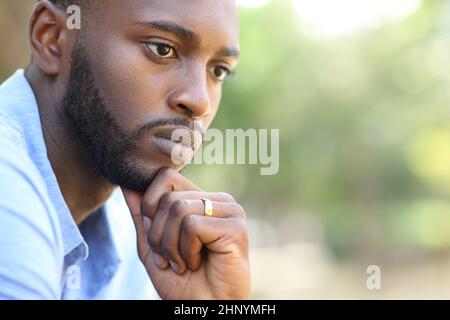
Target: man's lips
(166, 133)
(182, 135)
(166, 138)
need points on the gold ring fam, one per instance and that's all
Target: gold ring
(208, 211)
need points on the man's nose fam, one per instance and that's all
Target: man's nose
(192, 98)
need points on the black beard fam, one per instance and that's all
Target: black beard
(99, 133)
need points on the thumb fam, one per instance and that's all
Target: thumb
(133, 200)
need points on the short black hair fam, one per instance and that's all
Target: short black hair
(65, 3)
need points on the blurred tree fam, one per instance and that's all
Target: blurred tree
(363, 120)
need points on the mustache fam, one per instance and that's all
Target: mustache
(161, 122)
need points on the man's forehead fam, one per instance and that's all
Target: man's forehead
(206, 18)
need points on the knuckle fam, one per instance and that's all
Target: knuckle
(178, 208)
(227, 197)
(241, 231)
(154, 242)
(237, 209)
(189, 225)
(166, 199)
(168, 251)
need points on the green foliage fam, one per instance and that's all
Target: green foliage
(363, 122)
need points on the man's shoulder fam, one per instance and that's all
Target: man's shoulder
(11, 134)
(31, 249)
(22, 188)
(14, 154)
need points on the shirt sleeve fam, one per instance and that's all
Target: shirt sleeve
(30, 249)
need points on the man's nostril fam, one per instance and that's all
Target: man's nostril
(185, 109)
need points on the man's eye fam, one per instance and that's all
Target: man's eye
(161, 50)
(221, 72)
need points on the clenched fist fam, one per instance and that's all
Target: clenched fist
(189, 255)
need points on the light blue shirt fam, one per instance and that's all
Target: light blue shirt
(43, 253)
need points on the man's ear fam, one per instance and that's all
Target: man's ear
(48, 36)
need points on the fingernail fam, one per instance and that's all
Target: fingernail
(174, 266)
(159, 261)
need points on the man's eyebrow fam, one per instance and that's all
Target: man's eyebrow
(166, 26)
(229, 52)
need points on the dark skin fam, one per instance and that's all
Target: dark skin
(150, 59)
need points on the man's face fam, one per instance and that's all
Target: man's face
(142, 69)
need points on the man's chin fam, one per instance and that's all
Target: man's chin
(135, 179)
(140, 180)
(137, 176)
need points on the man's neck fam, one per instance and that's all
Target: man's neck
(83, 187)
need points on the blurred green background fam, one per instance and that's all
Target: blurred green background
(360, 92)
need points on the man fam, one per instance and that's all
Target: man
(96, 109)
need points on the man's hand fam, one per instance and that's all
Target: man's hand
(188, 255)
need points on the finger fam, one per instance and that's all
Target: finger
(162, 212)
(165, 180)
(160, 261)
(223, 237)
(170, 241)
(165, 203)
(142, 225)
(133, 200)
